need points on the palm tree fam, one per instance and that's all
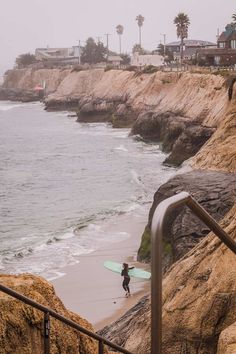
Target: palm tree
(234, 18)
(140, 19)
(182, 23)
(120, 30)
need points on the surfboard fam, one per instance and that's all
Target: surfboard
(135, 272)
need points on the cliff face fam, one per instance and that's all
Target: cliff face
(197, 96)
(178, 109)
(21, 326)
(27, 79)
(220, 151)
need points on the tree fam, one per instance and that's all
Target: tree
(182, 23)
(24, 60)
(234, 18)
(137, 49)
(120, 30)
(125, 59)
(93, 52)
(140, 19)
(167, 54)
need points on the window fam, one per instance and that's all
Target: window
(217, 60)
(221, 44)
(233, 44)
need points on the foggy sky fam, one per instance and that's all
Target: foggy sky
(27, 24)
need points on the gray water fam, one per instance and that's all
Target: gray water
(58, 176)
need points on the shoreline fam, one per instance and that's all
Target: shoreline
(96, 293)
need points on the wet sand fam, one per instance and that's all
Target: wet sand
(96, 293)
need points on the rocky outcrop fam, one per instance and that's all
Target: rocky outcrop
(179, 136)
(19, 84)
(21, 326)
(215, 191)
(8, 94)
(227, 340)
(199, 303)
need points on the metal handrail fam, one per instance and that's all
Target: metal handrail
(49, 312)
(158, 222)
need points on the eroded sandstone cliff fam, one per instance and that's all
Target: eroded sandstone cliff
(21, 326)
(180, 110)
(27, 79)
(220, 151)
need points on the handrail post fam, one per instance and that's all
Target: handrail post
(156, 268)
(46, 333)
(156, 293)
(100, 347)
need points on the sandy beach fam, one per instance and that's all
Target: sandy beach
(96, 293)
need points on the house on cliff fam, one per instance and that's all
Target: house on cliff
(147, 59)
(59, 56)
(191, 46)
(225, 52)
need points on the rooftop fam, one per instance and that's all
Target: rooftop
(192, 43)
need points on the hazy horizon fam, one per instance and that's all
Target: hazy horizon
(29, 24)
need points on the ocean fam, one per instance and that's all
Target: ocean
(62, 183)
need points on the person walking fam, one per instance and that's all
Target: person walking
(125, 274)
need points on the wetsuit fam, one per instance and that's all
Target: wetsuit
(126, 280)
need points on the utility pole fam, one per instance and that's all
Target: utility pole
(107, 35)
(79, 53)
(164, 38)
(218, 34)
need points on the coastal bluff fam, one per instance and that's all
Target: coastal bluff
(179, 110)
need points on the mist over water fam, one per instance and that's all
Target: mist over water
(63, 183)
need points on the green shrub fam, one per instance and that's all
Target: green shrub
(150, 69)
(108, 67)
(77, 68)
(144, 252)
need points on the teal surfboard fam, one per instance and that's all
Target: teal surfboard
(135, 272)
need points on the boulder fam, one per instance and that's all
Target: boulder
(215, 191)
(16, 94)
(179, 135)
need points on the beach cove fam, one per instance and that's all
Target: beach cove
(69, 247)
(188, 114)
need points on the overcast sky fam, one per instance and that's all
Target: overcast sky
(27, 24)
